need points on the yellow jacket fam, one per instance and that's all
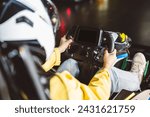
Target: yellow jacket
(65, 86)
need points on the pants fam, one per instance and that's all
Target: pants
(120, 79)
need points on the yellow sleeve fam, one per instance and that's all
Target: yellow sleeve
(101, 84)
(65, 86)
(54, 60)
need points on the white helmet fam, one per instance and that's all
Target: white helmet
(27, 21)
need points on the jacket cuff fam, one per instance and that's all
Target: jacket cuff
(58, 56)
(105, 70)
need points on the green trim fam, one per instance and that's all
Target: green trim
(124, 64)
(146, 69)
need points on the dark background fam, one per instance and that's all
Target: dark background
(129, 16)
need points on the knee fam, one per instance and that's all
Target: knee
(73, 67)
(72, 61)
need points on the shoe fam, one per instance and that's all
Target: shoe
(138, 65)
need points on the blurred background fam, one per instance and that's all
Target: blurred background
(129, 16)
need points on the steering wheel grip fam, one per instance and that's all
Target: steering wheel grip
(109, 42)
(72, 32)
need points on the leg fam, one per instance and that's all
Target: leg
(123, 80)
(128, 80)
(71, 66)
